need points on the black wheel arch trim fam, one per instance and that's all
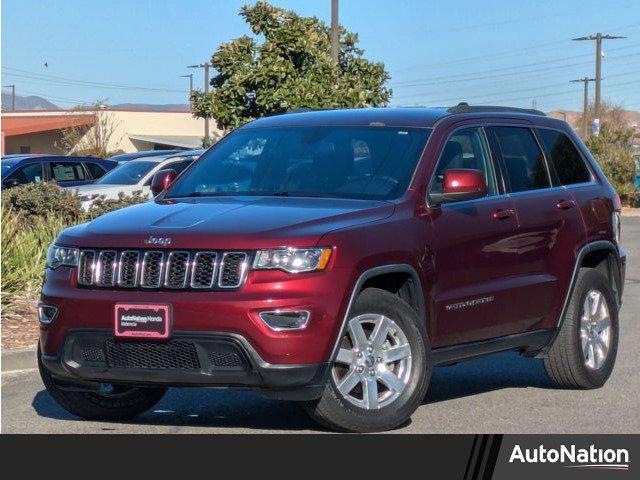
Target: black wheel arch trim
(582, 253)
(369, 274)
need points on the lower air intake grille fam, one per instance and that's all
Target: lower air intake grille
(225, 359)
(170, 355)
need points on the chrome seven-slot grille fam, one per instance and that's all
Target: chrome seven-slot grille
(162, 269)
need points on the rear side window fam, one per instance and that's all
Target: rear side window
(95, 170)
(566, 159)
(522, 158)
(67, 172)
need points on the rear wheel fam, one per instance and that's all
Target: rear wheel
(584, 352)
(111, 402)
(381, 372)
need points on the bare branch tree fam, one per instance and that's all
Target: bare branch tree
(90, 140)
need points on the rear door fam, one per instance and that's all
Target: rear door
(474, 260)
(549, 226)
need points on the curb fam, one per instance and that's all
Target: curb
(23, 359)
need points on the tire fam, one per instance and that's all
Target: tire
(567, 363)
(123, 404)
(392, 405)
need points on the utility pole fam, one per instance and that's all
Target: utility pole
(206, 65)
(13, 96)
(598, 37)
(585, 103)
(335, 36)
(190, 77)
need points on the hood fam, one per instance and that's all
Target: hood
(226, 222)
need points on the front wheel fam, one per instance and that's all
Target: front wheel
(112, 402)
(381, 372)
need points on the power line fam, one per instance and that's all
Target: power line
(15, 72)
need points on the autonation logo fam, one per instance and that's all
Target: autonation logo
(590, 458)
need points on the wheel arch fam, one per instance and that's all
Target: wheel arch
(601, 255)
(401, 276)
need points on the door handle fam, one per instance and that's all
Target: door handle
(565, 204)
(502, 214)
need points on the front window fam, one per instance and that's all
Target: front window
(129, 173)
(325, 161)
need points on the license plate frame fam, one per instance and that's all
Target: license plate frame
(145, 320)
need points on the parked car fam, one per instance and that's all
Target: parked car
(66, 171)
(134, 175)
(125, 157)
(636, 163)
(335, 258)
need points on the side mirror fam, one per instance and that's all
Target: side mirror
(460, 184)
(10, 183)
(161, 180)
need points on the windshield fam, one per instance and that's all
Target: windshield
(336, 161)
(128, 173)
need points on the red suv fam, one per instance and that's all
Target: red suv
(335, 258)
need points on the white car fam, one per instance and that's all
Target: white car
(132, 176)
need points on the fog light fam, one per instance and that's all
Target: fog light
(279, 320)
(46, 313)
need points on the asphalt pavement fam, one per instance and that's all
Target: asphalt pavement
(503, 393)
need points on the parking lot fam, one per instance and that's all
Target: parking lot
(502, 393)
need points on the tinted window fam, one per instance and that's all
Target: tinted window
(179, 166)
(326, 161)
(67, 172)
(565, 157)
(31, 173)
(129, 173)
(95, 170)
(522, 158)
(466, 148)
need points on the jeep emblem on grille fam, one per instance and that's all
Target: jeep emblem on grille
(162, 241)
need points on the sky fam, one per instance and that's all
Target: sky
(438, 52)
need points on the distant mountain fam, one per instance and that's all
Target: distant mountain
(149, 106)
(31, 102)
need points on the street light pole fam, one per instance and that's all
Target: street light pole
(190, 77)
(206, 65)
(334, 31)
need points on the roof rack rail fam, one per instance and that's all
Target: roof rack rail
(464, 107)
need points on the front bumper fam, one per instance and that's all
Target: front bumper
(93, 356)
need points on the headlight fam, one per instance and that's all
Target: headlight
(58, 256)
(292, 260)
(87, 198)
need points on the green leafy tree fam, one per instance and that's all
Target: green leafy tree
(289, 68)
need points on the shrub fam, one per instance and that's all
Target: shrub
(103, 205)
(35, 201)
(24, 250)
(612, 150)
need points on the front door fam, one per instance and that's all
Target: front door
(474, 259)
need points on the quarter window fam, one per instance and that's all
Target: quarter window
(522, 158)
(565, 157)
(466, 148)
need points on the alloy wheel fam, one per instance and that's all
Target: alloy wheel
(595, 330)
(373, 366)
